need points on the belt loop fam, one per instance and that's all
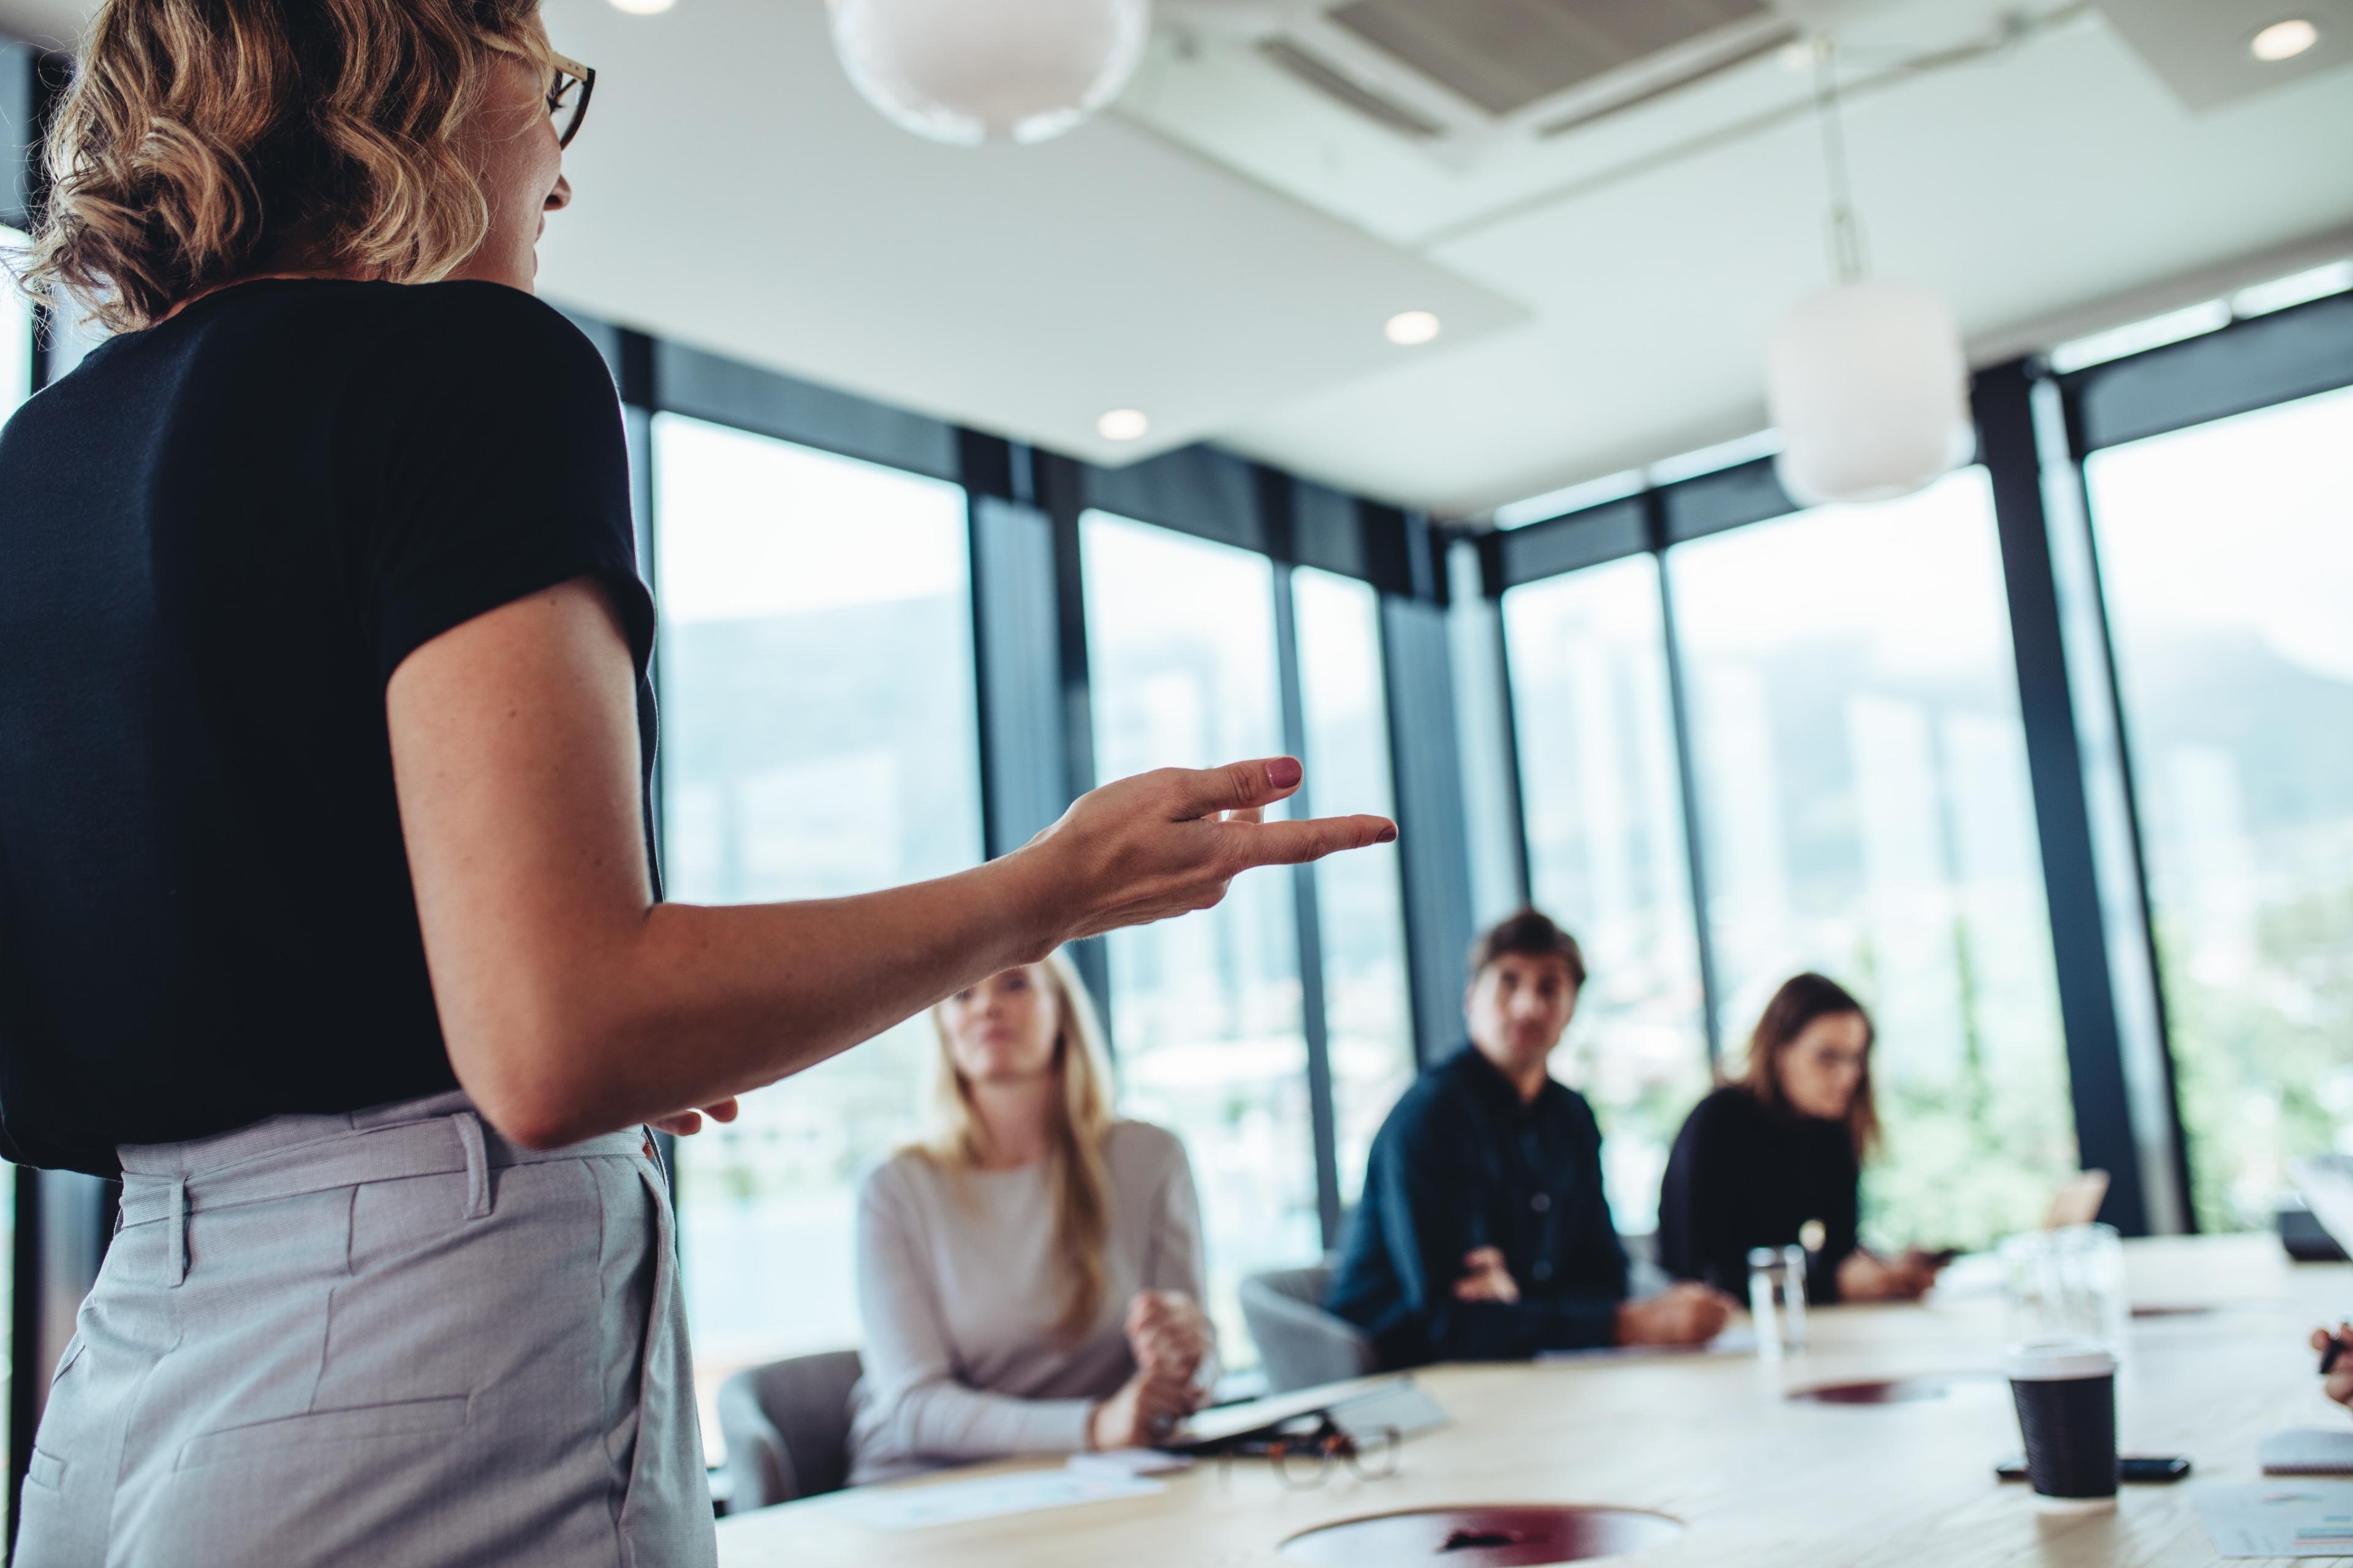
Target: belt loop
(478, 1163)
(179, 1232)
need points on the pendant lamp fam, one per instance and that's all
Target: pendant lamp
(1866, 381)
(968, 71)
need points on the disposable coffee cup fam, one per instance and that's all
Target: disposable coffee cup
(2067, 1396)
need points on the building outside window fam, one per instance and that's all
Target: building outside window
(819, 739)
(1205, 1011)
(1603, 806)
(1866, 812)
(1359, 896)
(2226, 565)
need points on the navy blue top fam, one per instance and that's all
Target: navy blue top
(1744, 1175)
(1463, 1162)
(218, 538)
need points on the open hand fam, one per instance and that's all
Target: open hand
(1169, 842)
(1486, 1276)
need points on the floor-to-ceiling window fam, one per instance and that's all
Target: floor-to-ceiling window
(15, 384)
(1205, 1011)
(1865, 811)
(1359, 898)
(1603, 807)
(819, 739)
(2226, 559)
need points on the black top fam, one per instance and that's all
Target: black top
(1463, 1162)
(218, 538)
(1743, 1175)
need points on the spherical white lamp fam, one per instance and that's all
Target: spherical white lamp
(968, 71)
(1867, 384)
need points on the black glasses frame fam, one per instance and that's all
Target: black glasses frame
(1305, 1460)
(566, 110)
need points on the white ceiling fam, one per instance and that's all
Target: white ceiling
(1605, 304)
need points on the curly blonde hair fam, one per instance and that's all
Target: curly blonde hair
(203, 141)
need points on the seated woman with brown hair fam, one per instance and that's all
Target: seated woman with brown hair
(1029, 1276)
(1762, 1158)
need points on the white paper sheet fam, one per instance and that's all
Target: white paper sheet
(2284, 1518)
(1738, 1339)
(1130, 1462)
(985, 1496)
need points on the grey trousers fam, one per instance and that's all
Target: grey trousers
(386, 1338)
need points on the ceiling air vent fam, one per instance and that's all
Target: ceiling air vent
(1466, 82)
(1505, 54)
(1372, 105)
(1600, 106)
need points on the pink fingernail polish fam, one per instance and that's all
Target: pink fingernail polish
(1385, 836)
(1284, 771)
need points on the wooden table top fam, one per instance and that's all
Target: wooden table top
(1715, 1442)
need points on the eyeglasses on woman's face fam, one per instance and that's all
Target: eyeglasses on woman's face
(568, 87)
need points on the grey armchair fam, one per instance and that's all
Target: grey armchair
(787, 1428)
(1300, 1342)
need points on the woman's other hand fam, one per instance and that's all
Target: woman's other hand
(1169, 842)
(2340, 1385)
(1141, 1412)
(1866, 1276)
(687, 1123)
(1168, 1333)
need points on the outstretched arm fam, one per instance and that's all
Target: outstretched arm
(573, 1003)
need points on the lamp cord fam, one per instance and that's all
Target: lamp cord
(1846, 231)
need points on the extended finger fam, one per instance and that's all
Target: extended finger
(1237, 786)
(1297, 843)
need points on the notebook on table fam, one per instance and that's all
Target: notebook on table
(2307, 1452)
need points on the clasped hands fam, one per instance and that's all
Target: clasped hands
(1682, 1314)
(1170, 1339)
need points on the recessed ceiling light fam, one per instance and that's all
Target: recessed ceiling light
(1410, 326)
(2283, 40)
(1122, 425)
(643, 8)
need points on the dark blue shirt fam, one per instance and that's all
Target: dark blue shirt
(1464, 1163)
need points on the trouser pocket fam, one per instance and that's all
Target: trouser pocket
(664, 1519)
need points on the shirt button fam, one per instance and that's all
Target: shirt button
(1543, 1270)
(1541, 1201)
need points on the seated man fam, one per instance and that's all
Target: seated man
(1483, 1233)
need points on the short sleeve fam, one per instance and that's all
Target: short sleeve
(493, 467)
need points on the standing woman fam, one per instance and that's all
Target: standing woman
(1030, 1277)
(1762, 1158)
(327, 917)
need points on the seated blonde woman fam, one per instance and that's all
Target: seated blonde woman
(1029, 1276)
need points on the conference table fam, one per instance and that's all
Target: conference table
(2216, 1359)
